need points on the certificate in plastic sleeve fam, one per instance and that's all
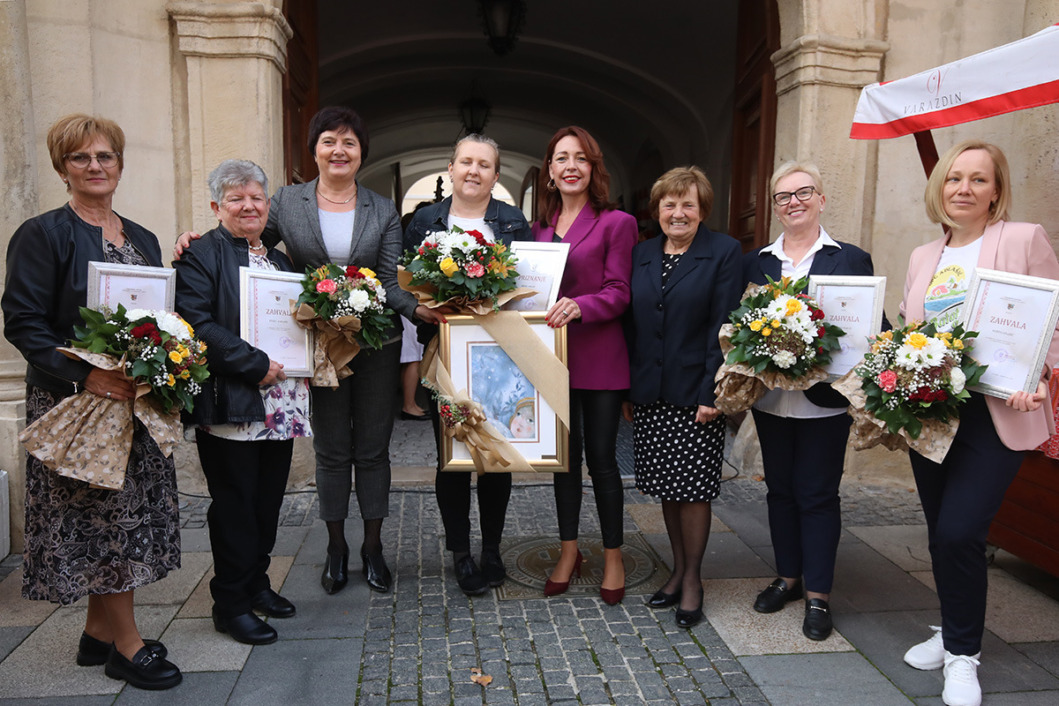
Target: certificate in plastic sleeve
(132, 286)
(266, 301)
(855, 305)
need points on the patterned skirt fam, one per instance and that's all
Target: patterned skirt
(674, 457)
(82, 540)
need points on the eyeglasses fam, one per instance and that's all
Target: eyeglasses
(83, 159)
(782, 198)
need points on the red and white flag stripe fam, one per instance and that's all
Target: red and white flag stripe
(1022, 74)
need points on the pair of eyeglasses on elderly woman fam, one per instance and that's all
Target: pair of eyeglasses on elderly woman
(782, 198)
(83, 159)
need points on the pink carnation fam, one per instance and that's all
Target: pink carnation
(474, 269)
(327, 286)
(888, 380)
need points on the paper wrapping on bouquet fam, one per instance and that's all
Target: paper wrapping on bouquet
(739, 386)
(335, 344)
(89, 438)
(424, 294)
(489, 450)
(867, 431)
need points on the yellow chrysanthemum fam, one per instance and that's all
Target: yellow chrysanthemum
(756, 325)
(793, 307)
(916, 340)
(766, 331)
(448, 266)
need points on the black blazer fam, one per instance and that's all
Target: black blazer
(847, 260)
(672, 335)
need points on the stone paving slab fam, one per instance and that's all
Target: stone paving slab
(201, 688)
(839, 679)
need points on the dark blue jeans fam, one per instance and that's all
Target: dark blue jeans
(803, 467)
(960, 497)
(351, 435)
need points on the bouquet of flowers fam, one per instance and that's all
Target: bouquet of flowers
(463, 268)
(915, 374)
(346, 307)
(88, 437)
(337, 293)
(777, 338)
(157, 348)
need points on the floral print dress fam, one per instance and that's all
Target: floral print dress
(82, 540)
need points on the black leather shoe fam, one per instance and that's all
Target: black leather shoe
(493, 568)
(92, 652)
(375, 571)
(817, 624)
(246, 628)
(470, 579)
(661, 599)
(145, 670)
(777, 595)
(689, 618)
(272, 604)
(336, 572)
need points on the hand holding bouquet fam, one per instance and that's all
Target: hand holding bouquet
(465, 269)
(346, 307)
(777, 338)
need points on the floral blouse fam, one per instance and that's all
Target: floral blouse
(286, 403)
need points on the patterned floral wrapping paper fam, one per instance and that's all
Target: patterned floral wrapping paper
(89, 438)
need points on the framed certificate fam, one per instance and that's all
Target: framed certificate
(540, 267)
(854, 304)
(1015, 318)
(266, 300)
(513, 407)
(131, 286)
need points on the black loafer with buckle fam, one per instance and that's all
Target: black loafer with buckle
(817, 624)
(145, 670)
(777, 595)
(92, 652)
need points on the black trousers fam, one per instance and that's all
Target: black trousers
(960, 497)
(453, 493)
(246, 480)
(594, 418)
(803, 461)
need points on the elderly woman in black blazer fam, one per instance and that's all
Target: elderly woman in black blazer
(683, 287)
(802, 434)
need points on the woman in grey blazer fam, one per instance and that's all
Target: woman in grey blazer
(335, 219)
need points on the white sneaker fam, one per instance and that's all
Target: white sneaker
(927, 655)
(961, 681)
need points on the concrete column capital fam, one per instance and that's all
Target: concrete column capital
(240, 29)
(822, 59)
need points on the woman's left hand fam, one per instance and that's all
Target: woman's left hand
(1025, 402)
(562, 312)
(706, 414)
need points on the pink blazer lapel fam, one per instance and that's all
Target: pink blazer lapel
(990, 245)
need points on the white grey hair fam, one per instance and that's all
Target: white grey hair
(232, 173)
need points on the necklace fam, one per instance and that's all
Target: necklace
(337, 203)
(259, 246)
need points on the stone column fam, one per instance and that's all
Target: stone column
(235, 53)
(18, 193)
(827, 56)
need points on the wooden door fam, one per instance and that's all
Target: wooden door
(301, 90)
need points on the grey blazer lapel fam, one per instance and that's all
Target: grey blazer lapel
(313, 239)
(367, 214)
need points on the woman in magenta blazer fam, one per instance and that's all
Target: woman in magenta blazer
(969, 193)
(573, 202)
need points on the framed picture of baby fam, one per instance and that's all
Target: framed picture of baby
(514, 405)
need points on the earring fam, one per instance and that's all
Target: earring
(551, 185)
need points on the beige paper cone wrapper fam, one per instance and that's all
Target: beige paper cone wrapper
(934, 439)
(89, 438)
(334, 345)
(739, 387)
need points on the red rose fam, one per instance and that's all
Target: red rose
(821, 332)
(817, 314)
(147, 330)
(353, 272)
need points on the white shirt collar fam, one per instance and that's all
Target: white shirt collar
(776, 249)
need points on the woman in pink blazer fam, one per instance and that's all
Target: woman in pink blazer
(573, 202)
(969, 193)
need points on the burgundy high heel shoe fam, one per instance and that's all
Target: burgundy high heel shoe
(554, 588)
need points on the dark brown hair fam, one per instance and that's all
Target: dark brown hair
(549, 200)
(339, 119)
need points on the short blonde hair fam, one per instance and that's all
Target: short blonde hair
(793, 167)
(934, 194)
(679, 181)
(72, 131)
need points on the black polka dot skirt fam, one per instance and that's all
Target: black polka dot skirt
(676, 458)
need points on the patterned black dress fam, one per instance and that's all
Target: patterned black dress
(676, 458)
(82, 540)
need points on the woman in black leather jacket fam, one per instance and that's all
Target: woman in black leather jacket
(473, 170)
(248, 413)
